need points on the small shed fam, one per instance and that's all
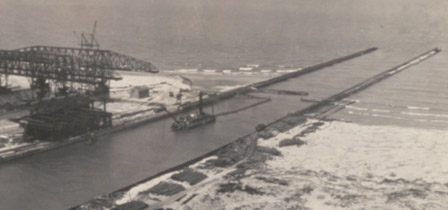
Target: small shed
(141, 91)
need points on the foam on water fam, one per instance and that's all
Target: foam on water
(418, 108)
(418, 95)
(349, 149)
(425, 114)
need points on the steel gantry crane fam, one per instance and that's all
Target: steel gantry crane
(66, 82)
(62, 71)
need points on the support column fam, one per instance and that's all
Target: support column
(4, 84)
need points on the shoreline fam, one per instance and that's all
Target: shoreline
(273, 127)
(24, 151)
(159, 190)
(269, 170)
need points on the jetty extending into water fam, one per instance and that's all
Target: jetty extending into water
(34, 148)
(287, 122)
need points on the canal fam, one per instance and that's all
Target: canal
(68, 176)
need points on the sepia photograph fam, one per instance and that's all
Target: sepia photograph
(223, 104)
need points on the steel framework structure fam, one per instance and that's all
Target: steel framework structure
(97, 58)
(80, 76)
(59, 68)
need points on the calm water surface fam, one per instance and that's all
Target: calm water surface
(226, 33)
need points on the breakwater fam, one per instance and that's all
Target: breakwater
(370, 81)
(209, 99)
(291, 120)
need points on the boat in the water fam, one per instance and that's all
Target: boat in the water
(194, 119)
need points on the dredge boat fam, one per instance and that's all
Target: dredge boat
(194, 119)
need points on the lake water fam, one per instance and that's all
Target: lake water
(222, 34)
